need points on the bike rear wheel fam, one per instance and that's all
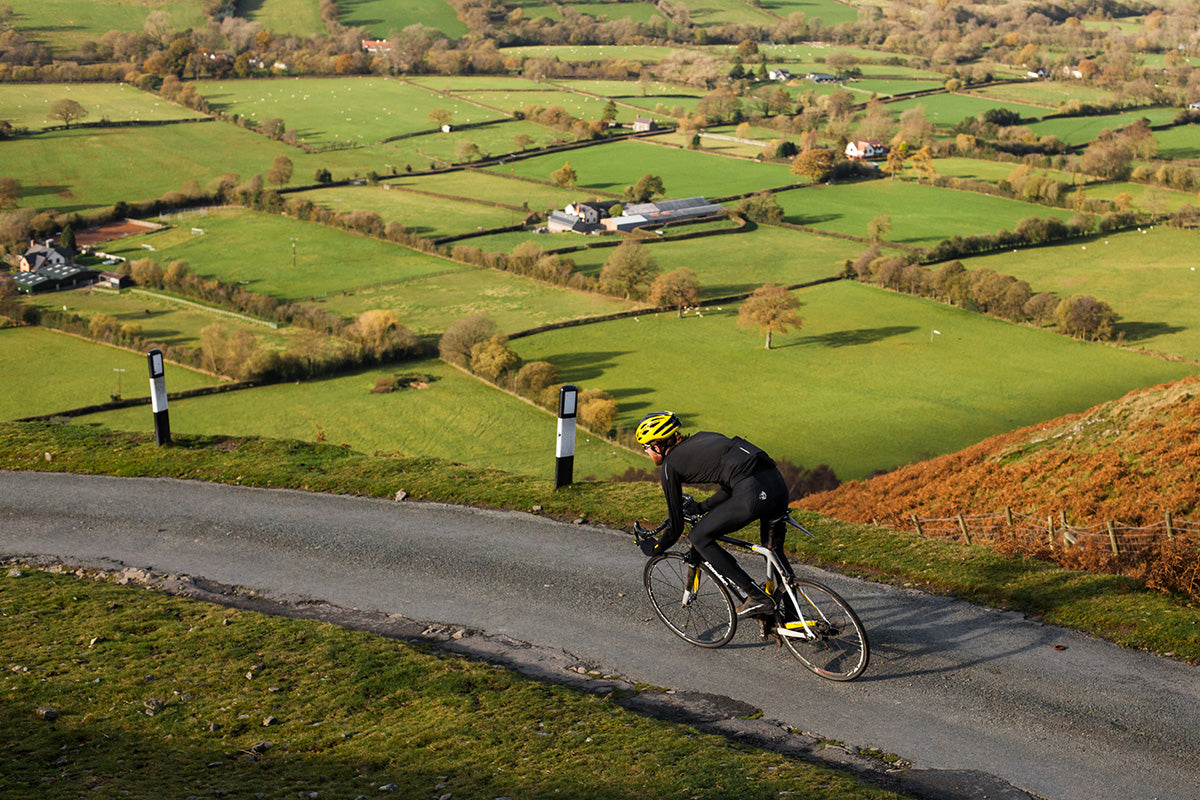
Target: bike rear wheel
(837, 647)
(689, 600)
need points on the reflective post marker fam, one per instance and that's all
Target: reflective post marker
(564, 461)
(158, 398)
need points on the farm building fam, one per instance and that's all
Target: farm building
(53, 277)
(581, 217)
(642, 124)
(45, 255)
(642, 215)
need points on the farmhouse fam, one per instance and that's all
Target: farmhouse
(580, 217)
(866, 148)
(45, 255)
(642, 124)
(52, 278)
(821, 77)
(779, 75)
(376, 45)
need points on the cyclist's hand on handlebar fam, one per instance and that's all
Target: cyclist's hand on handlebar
(691, 509)
(646, 540)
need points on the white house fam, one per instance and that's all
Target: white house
(46, 255)
(779, 75)
(866, 148)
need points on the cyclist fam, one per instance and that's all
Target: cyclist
(750, 487)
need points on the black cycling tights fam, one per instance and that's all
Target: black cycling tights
(762, 496)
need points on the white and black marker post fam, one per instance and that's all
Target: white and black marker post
(158, 398)
(564, 461)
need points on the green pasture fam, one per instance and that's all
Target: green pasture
(1150, 277)
(706, 13)
(577, 105)
(88, 168)
(1047, 94)
(650, 54)
(819, 52)
(627, 90)
(663, 107)
(534, 9)
(450, 84)
(1155, 199)
(493, 186)
(1081, 130)
(437, 149)
(946, 110)
(993, 171)
(418, 213)
(1181, 141)
(284, 16)
(429, 304)
(163, 321)
(25, 105)
(874, 379)
(326, 110)
(381, 17)
(891, 87)
(611, 167)
(922, 215)
(612, 11)
(65, 24)
(256, 250)
(738, 263)
(46, 372)
(458, 418)
(829, 12)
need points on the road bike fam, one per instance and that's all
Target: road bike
(811, 620)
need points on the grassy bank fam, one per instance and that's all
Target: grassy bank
(1115, 608)
(158, 696)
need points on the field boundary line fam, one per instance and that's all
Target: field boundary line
(171, 299)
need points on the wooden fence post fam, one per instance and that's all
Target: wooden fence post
(1008, 515)
(962, 526)
(917, 524)
(1170, 525)
(1112, 538)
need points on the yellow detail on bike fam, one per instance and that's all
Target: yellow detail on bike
(802, 624)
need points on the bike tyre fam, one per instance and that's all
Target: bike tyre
(708, 620)
(841, 651)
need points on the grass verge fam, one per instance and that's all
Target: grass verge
(157, 696)
(1116, 608)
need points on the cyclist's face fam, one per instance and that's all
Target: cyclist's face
(653, 452)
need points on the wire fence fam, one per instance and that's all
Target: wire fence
(1055, 532)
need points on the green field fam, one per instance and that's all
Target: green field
(494, 186)
(1149, 277)
(326, 110)
(1147, 198)
(46, 372)
(256, 250)
(381, 17)
(993, 171)
(283, 16)
(922, 215)
(593, 52)
(1048, 94)
(684, 173)
(865, 385)
(458, 418)
(1081, 130)
(67, 23)
(1181, 141)
(947, 110)
(25, 105)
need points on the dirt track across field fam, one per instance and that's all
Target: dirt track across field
(114, 230)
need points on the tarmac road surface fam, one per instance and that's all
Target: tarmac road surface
(994, 704)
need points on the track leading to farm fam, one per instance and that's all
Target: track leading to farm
(952, 687)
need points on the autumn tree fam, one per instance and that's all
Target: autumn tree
(67, 111)
(770, 309)
(492, 358)
(1085, 317)
(466, 150)
(647, 187)
(460, 336)
(878, 227)
(761, 207)
(677, 289)
(440, 117)
(630, 270)
(564, 176)
(815, 164)
(534, 379)
(10, 193)
(381, 335)
(281, 171)
(597, 410)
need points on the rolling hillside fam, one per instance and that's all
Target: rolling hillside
(1131, 460)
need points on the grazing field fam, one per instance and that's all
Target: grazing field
(684, 173)
(867, 383)
(458, 418)
(46, 372)
(948, 109)
(634, 11)
(256, 250)
(67, 23)
(25, 105)
(422, 214)
(593, 52)
(1150, 277)
(1181, 141)
(1146, 198)
(381, 17)
(1046, 94)
(1081, 130)
(494, 186)
(738, 263)
(283, 16)
(994, 171)
(325, 110)
(922, 215)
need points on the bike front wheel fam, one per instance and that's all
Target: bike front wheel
(824, 634)
(690, 600)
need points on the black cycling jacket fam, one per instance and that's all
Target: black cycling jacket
(705, 457)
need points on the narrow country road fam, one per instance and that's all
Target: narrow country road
(954, 688)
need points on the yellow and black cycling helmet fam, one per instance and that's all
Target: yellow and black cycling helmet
(657, 425)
